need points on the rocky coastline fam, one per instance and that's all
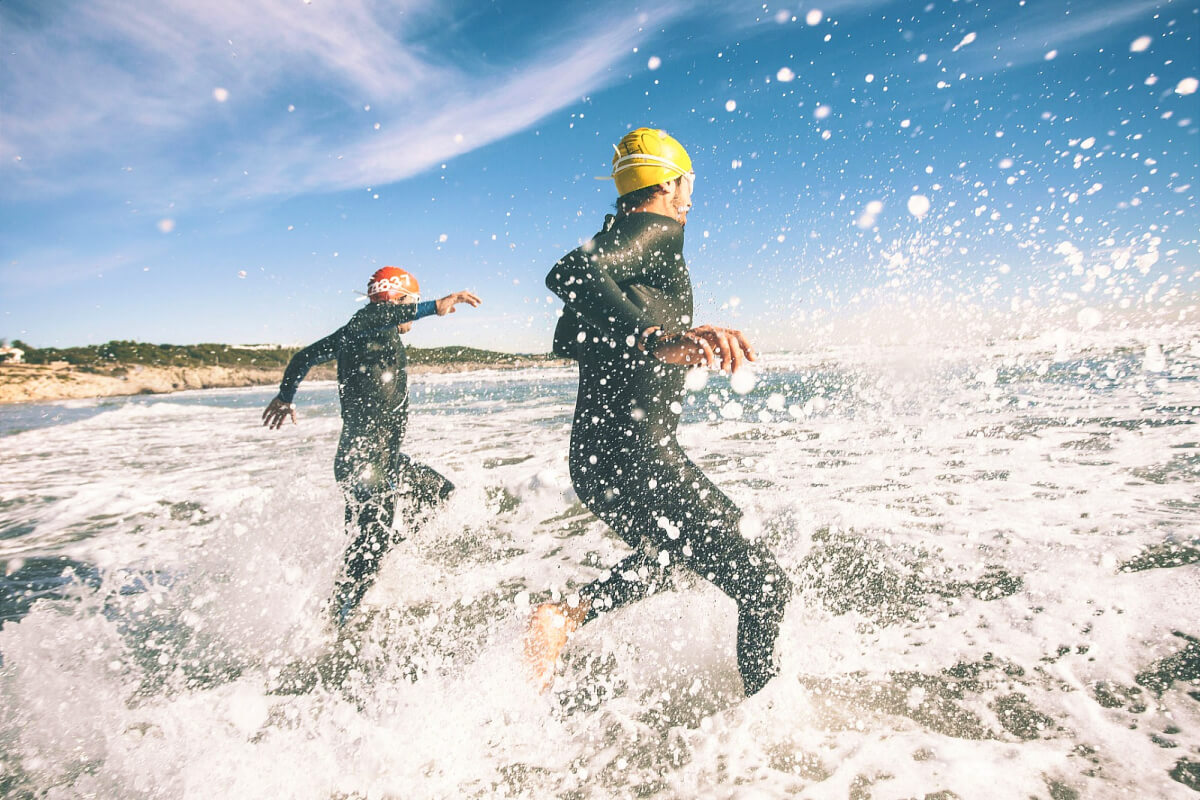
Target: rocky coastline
(35, 383)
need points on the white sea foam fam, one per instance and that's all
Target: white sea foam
(971, 611)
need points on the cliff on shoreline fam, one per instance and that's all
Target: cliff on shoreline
(33, 383)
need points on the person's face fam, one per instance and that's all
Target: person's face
(405, 300)
(681, 199)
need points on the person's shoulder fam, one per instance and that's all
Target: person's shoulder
(370, 311)
(648, 231)
(367, 318)
(631, 233)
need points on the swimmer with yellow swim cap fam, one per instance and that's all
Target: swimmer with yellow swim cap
(628, 321)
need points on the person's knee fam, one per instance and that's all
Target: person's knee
(776, 594)
(421, 486)
(597, 494)
(584, 478)
(777, 587)
(765, 589)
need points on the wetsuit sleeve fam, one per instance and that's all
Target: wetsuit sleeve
(586, 280)
(316, 353)
(374, 317)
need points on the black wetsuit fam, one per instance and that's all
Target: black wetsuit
(626, 464)
(373, 472)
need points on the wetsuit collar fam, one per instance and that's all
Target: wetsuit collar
(665, 219)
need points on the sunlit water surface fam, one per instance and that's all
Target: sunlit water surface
(995, 552)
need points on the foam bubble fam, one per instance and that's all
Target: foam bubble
(696, 379)
(1089, 318)
(918, 205)
(966, 40)
(743, 381)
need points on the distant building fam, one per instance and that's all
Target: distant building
(256, 346)
(11, 355)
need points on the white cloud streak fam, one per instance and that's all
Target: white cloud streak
(111, 82)
(408, 146)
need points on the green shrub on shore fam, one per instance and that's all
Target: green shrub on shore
(117, 352)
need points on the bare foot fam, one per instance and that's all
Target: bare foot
(549, 628)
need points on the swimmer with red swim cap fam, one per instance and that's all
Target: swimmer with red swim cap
(375, 475)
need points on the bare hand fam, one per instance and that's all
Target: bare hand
(445, 305)
(277, 412)
(706, 345)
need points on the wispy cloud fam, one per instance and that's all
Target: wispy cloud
(465, 118)
(58, 265)
(112, 89)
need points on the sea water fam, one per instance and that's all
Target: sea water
(994, 547)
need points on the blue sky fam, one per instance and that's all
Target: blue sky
(232, 171)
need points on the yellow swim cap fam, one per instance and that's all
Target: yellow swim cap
(645, 157)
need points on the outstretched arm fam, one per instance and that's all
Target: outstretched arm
(378, 316)
(372, 318)
(445, 305)
(281, 407)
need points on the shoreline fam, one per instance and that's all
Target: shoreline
(37, 383)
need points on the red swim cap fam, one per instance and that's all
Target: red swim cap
(390, 283)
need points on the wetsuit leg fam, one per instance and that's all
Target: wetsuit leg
(420, 488)
(371, 506)
(663, 499)
(371, 517)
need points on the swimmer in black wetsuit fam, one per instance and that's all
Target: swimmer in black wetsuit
(628, 322)
(373, 388)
